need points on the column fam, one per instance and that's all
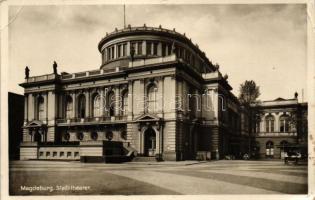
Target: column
(52, 112)
(128, 49)
(215, 143)
(74, 111)
(102, 101)
(105, 108)
(159, 49)
(144, 48)
(46, 105)
(51, 107)
(115, 51)
(117, 101)
(130, 100)
(277, 121)
(169, 97)
(26, 108)
(87, 103)
(138, 102)
(30, 107)
(160, 102)
(157, 140)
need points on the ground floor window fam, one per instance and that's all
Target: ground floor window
(269, 149)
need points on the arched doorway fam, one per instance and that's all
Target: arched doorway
(149, 142)
(37, 136)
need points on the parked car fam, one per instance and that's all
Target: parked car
(292, 156)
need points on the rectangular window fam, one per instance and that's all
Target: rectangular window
(108, 53)
(163, 49)
(155, 48)
(272, 128)
(119, 51)
(68, 154)
(169, 49)
(113, 52)
(124, 50)
(282, 126)
(267, 126)
(148, 48)
(139, 51)
(133, 45)
(179, 52)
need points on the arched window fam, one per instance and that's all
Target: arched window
(66, 136)
(284, 123)
(270, 123)
(96, 105)
(69, 107)
(152, 98)
(40, 108)
(81, 106)
(109, 135)
(80, 136)
(111, 103)
(124, 105)
(94, 135)
(269, 149)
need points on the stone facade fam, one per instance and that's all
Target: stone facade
(280, 124)
(155, 92)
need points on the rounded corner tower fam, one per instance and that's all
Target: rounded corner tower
(134, 43)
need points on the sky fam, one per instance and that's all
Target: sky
(264, 43)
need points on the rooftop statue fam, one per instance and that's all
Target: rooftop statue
(55, 67)
(27, 72)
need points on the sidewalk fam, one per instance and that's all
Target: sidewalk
(172, 163)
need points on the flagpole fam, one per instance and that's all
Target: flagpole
(124, 16)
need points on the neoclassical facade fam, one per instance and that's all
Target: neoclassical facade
(280, 124)
(155, 94)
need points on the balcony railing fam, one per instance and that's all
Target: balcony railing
(41, 78)
(275, 134)
(93, 119)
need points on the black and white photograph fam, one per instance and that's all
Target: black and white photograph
(157, 99)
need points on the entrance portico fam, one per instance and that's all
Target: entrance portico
(150, 135)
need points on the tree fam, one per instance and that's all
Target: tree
(249, 92)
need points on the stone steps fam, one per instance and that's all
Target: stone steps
(144, 159)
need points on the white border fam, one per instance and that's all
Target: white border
(4, 95)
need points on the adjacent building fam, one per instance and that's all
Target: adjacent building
(15, 118)
(280, 124)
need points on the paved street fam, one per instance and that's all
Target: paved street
(170, 178)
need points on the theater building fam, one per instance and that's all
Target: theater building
(154, 94)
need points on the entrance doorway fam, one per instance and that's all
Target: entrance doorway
(149, 142)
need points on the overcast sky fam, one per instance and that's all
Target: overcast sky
(264, 43)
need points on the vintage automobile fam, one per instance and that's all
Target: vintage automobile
(292, 156)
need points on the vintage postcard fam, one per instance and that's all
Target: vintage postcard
(171, 98)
